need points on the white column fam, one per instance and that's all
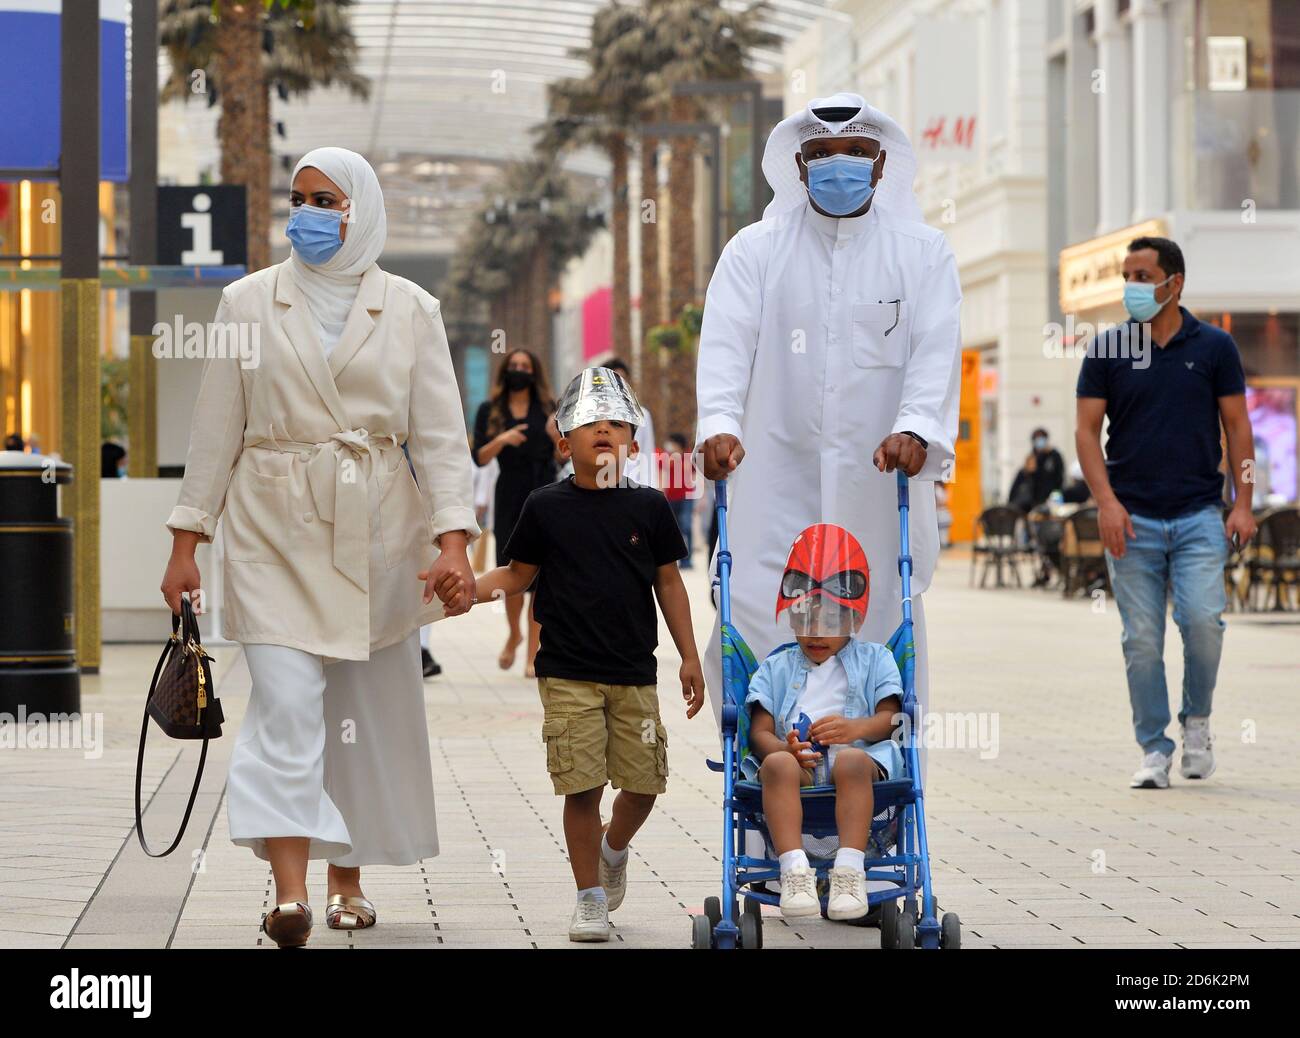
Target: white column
(1151, 110)
(1026, 21)
(1083, 139)
(1115, 103)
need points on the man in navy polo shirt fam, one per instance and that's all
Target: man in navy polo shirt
(1165, 381)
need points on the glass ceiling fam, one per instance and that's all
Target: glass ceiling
(454, 85)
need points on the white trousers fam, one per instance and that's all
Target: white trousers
(336, 752)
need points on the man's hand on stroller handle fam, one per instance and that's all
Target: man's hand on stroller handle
(720, 455)
(899, 451)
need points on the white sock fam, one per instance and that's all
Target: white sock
(592, 894)
(794, 860)
(848, 858)
(611, 856)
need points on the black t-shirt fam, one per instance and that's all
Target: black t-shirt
(1163, 452)
(598, 551)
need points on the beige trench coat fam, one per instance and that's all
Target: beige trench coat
(325, 525)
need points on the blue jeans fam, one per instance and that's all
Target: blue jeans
(1185, 555)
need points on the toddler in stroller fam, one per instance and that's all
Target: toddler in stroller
(822, 712)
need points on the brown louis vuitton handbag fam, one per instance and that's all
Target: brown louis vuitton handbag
(182, 703)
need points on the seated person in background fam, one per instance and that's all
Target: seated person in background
(1076, 492)
(850, 691)
(1042, 473)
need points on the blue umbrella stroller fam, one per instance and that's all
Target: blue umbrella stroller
(899, 803)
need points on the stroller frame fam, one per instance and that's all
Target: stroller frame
(897, 802)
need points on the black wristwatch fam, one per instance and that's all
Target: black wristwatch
(923, 443)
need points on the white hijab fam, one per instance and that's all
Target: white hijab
(894, 194)
(331, 287)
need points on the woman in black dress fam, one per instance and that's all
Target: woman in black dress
(516, 425)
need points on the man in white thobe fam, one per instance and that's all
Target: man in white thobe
(829, 357)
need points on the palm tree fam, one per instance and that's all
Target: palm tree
(512, 259)
(603, 109)
(694, 41)
(691, 41)
(233, 52)
(651, 283)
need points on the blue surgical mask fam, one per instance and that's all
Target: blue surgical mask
(840, 184)
(314, 232)
(1140, 299)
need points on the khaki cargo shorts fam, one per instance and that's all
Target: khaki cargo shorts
(598, 733)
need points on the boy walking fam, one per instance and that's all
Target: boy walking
(602, 550)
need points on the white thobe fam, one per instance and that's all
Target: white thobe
(642, 469)
(821, 337)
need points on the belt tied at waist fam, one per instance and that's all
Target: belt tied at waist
(338, 471)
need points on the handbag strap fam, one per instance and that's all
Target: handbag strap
(171, 646)
(186, 623)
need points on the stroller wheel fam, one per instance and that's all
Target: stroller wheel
(950, 931)
(889, 924)
(751, 931)
(713, 909)
(701, 932)
(906, 933)
(753, 910)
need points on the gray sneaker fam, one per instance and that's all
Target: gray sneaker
(1198, 749)
(614, 879)
(590, 921)
(1154, 773)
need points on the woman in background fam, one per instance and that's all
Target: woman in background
(516, 427)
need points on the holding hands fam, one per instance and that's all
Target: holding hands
(451, 577)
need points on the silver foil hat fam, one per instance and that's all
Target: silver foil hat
(595, 394)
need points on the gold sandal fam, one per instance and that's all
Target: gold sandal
(345, 912)
(289, 924)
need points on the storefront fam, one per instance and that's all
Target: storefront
(1270, 352)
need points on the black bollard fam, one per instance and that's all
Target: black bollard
(38, 663)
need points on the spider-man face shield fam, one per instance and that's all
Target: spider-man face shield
(824, 588)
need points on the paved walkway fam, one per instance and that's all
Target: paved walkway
(1040, 843)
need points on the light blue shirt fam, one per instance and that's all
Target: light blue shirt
(873, 675)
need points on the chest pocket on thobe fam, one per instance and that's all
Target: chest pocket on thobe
(880, 334)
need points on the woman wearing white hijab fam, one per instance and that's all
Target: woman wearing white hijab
(300, 450)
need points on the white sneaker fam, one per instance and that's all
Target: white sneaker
(1154, 773)
(614, 878)
(848, 897)
(799, 893)
(1198, 749)
(590, 921)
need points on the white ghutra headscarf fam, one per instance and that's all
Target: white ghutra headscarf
(331, 287)
(894, 194)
